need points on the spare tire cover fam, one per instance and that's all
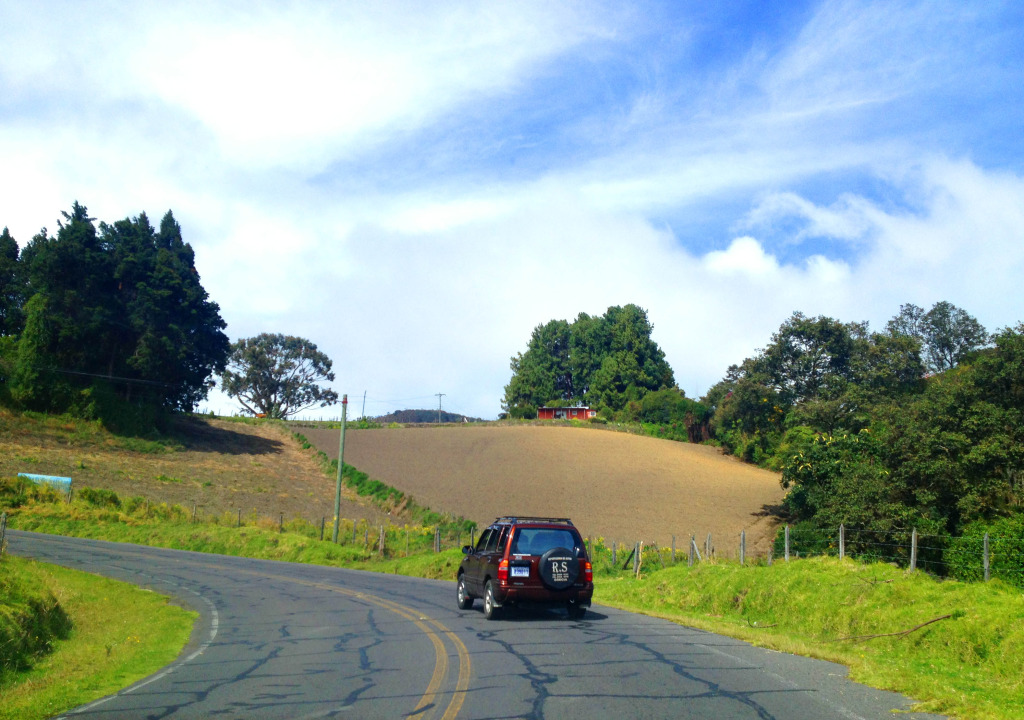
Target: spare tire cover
(559, 568)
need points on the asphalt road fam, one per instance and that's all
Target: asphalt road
(281, 640)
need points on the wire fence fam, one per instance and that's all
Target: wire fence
(979, 556)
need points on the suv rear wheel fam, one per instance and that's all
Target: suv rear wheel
(464, 599)
(491, 609)
(576, 611)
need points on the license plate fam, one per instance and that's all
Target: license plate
(520, 572)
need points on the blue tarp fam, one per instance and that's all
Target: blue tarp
(60, 483)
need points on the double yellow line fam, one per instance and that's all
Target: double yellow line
(432, 700)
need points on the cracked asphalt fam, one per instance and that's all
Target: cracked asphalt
(281, 640)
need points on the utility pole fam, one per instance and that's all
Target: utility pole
(439, 396)
(341, 464)
(364, 405)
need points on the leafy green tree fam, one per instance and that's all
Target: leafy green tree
(937, 460)
(169, 329)
(606, 362)
(808, 357)
(947, 334)
(588, 344)
(71, 276)
(276, 375)
(542, 374)
(670, 407)
(633, 364)
(116, 315)
(12, 286)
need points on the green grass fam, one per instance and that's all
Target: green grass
(967, 665)
(100, 653)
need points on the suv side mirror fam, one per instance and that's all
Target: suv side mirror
(467, 549)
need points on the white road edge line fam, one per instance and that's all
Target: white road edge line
(214, 626)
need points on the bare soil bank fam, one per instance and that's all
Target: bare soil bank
(223, 467)
(614, 485)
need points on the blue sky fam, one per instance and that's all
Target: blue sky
(415, 186)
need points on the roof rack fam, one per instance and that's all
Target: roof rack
(527, 518)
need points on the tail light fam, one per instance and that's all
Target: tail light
(588, 572)
(503, 571)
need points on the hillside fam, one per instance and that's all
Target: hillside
(618, 486)
(218, 465)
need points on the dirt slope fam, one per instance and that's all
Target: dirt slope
(614, 485)
(221, 467)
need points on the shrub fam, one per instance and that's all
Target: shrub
(1006, 551)
(12, 493)
(30, 616)
(99, 497)
(806, 540)
(523, 412)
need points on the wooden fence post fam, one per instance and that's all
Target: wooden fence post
(842, 541)
(238, 523)
(3, 531)
(280, 523)
(743, 546)
(636, 559)
(707, 547)
(693, 546)
(913, 550)
(380, 550)
(193, 513)
(614, 547)
(323, 521)
(787, 543)
(673, 549)
(985, 558)
(660, 558)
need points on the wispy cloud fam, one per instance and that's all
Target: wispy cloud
(415, 187)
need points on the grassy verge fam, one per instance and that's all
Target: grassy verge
(101, 652)
(862, 616)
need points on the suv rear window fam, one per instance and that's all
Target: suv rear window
(537, 541)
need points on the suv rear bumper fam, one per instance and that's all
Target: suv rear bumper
(540, 596)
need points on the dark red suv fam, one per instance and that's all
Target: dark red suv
(527, 561)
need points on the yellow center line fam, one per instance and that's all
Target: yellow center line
(428, 703)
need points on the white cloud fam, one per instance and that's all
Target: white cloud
(320, 82)
(228, 113)
(744, 257)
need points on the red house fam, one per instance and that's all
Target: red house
(565, 413)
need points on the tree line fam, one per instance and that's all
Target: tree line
(920, 425)
(606, 361)
(111, 321)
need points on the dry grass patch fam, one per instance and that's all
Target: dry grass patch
(217, 465)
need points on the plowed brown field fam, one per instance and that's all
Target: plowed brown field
(614, 485)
